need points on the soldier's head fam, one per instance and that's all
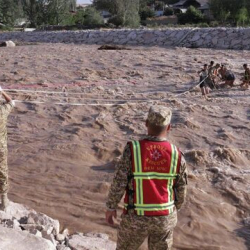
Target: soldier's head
(217, 65)
(205, 66)
(244, 65)
(212, 63)
(158, 120)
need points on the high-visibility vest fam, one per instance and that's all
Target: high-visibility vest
(155, 167)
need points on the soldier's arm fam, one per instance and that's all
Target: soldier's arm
(181, 184)
(8, 106)
(120, 180)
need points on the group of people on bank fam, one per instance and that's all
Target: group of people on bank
(211, 75)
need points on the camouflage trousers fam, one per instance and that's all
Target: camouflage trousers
(134, 229)
(3, 171)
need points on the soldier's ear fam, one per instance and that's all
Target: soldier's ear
(169, 127)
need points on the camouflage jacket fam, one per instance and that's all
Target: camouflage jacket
(5, 110)
(124, 169)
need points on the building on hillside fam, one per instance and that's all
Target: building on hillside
(83, 5)
(159, 12)
(183, 5)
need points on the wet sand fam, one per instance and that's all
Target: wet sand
(62, 157)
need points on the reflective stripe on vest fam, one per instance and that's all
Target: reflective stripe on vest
(139, 176)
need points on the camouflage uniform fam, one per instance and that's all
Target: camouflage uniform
(5, 109)
(134, 229)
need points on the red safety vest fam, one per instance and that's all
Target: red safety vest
(155, 167)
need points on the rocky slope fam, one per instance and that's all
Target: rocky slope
(24, 229)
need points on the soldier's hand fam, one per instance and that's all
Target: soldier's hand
(109, 217)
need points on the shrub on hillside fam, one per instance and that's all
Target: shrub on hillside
(116, 20)
(146, 13)
(133, 20)
(214, 24)
(203, 25)
(92, 17)
(168, 12)
(191, 16)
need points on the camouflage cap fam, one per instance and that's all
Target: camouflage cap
(159, 115)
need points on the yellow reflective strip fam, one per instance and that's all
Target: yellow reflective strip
(139, 169)
(139, 156)
(153, 209)
(154, 173)
(140, 191)
(171, 162)
(169, 185)
(154, 178)
(135, 156)
(176, 160)
(172, 171)
(170, 190)
(172, 159)
(155, 205)
(140, 211)
(137, 191)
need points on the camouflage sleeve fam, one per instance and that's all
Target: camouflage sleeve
(6, 108)
(181, 184)
(120, 179)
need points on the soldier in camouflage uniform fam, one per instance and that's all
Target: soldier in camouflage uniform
(5, 109)
(135, 228)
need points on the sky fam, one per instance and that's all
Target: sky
(83, 1)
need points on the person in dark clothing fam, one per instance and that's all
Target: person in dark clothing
(246, 78)
(227, 76)
(203, 83)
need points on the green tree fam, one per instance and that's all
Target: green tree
(128, 11)
(228, 10)
(108, 5)
(192, 15)
(242, 16)
(7, 12)
(92, 18)
(51, 12)
(31, 9)
(79, 17)
(124, 11)
(168, 12)
(57, 11)
(146, 13)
